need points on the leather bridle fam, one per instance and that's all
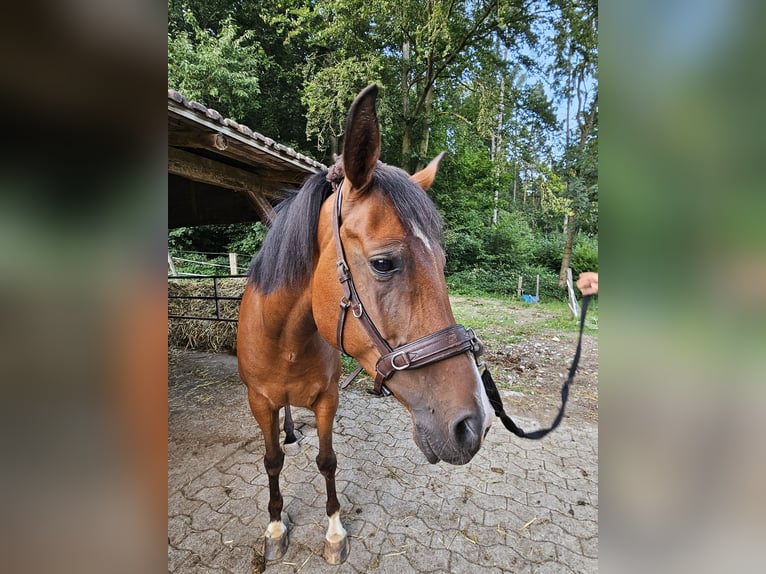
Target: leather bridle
(432, 348)
(427, 350)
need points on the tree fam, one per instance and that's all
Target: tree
(471, 78)
(221, 69)
(576, 70)
(409, 46)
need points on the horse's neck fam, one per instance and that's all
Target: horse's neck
(289, 313)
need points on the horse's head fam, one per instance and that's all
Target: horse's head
(390, 235)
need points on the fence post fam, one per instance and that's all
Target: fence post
(172, 266)
(537, 290)
(518, 291)
(233, 264)
(574, 307)
(215, 293)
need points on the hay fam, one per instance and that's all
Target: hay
(204, 335)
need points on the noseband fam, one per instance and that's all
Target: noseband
(427, 350)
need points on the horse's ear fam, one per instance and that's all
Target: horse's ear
(425, 177)
(361, 143)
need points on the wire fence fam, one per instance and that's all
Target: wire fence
(204, 266)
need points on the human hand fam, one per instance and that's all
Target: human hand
(587, 283)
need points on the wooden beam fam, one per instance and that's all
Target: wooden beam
(303, 164)
(262, 206)
(196, 139)
(206, 170)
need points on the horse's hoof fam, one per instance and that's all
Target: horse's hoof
(275, 548)
(336, 552)
(292, 448)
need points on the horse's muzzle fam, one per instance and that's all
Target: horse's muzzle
(457, 443)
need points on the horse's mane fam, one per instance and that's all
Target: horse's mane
(286, 257)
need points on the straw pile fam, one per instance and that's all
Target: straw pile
(204, 335)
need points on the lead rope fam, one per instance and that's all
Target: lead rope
(497, 403)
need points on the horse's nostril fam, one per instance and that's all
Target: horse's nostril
(466, 431)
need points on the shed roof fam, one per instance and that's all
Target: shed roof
(220, 171)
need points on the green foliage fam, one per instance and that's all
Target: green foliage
(549, 283)
(463, 250)
(328, 93)
(482, 280)
(547, 251)
(247, 239)
(509, 242)
(504, 281)
(584, 255)
(220, 69)
(204, 267)
(454, 77)
(213, 243)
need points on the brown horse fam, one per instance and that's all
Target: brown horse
(383, 243)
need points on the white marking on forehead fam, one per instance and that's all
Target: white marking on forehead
(422, 236)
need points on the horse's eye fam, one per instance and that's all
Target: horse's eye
(382, 265)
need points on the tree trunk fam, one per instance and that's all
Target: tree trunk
(333, 147)
(406, 144)
(515, 179)
(497, 139)
(406, 119)
(426, 130)
(524, 192)
(566, 258)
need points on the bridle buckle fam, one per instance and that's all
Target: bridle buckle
(403, 367)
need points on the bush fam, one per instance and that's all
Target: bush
(510, 242)
(247, 239)
(463, 250)
(584, 255)
(548, 250)
(549, 283)
(484, 280)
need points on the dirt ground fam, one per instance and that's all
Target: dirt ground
(531, 358)
(536, 361)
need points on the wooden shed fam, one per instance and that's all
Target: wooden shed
(220, 171)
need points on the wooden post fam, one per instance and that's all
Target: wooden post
(233, 264)
(574, 307)
(518, 291)
(537, 289)
(172, 266)
(215, 295)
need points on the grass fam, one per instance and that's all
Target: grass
(506, 321)
(511, 320)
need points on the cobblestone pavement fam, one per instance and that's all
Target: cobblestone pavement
(519, 506)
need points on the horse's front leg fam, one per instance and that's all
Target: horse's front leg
(276, 538)
(336, 544)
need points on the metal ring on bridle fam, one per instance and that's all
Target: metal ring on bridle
(403, 367)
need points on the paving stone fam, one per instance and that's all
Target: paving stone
(208, 519)
(576, 562)
(205, 544)
(504, 557)
(518, 506)
(178, 504)
(589, 547)
(179, 527)
(176, 557)
(424, 559)
(234, 559)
